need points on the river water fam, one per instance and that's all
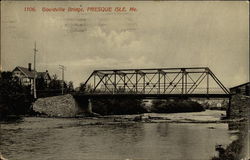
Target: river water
(86, 139)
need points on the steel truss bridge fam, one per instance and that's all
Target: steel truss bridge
(196, 82)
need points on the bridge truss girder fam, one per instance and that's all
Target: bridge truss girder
(155, 81)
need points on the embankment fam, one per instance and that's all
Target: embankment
(238, 149)
(239, 107)
(58, 106)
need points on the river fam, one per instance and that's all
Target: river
(86, 139)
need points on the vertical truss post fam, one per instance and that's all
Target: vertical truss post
(164, 83)
(159, 81)
(144, 83)
(136, 81)
(183, 74)
(105, 83)
(115, 82)
(207, 81)
(186, 81)
(124, 82)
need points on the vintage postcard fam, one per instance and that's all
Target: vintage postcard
(124, 80)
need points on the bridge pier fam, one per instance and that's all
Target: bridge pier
(228, 108)
(89, 109)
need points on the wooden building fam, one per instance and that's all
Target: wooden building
(26, 75)
(243, 89)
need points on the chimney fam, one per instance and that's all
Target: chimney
(29, 66)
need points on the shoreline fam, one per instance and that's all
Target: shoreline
(208, 116)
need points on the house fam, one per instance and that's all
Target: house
(243, 89)
(26, 75)
(45, 76)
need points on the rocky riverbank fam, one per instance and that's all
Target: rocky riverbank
(57, 106)
(238, 149)
(208, 116)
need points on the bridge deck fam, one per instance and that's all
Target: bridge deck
(153, 96)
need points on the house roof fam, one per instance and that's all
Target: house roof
(43, 75)
(25, 71)
(247, 83)
(31, 74)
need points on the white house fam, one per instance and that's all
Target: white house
(26, 75)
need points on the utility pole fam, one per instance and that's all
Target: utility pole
(62, 67)
(34, 89)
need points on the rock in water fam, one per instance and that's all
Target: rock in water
(57, 106)
(137, 118)
(2, 158)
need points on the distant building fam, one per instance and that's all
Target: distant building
(26, 75)
(45, 76)
(243, 89)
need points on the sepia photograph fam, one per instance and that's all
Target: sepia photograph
(124, 80)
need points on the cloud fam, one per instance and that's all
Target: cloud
(164, 34)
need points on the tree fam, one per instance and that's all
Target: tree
(6, 76)
(14, 98)
(55, 84)
(54, 77)
(85, 88)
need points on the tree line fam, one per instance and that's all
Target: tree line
(16, 98)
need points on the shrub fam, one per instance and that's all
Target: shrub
(118, 106)
(15, 99)
(176, 106)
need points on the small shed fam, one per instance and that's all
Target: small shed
(243, 89)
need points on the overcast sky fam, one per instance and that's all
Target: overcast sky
(158, 34)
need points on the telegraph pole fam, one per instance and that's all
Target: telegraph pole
(34, 89)
(62, 67)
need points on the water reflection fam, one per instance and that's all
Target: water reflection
(72, 139)
(162, 129)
